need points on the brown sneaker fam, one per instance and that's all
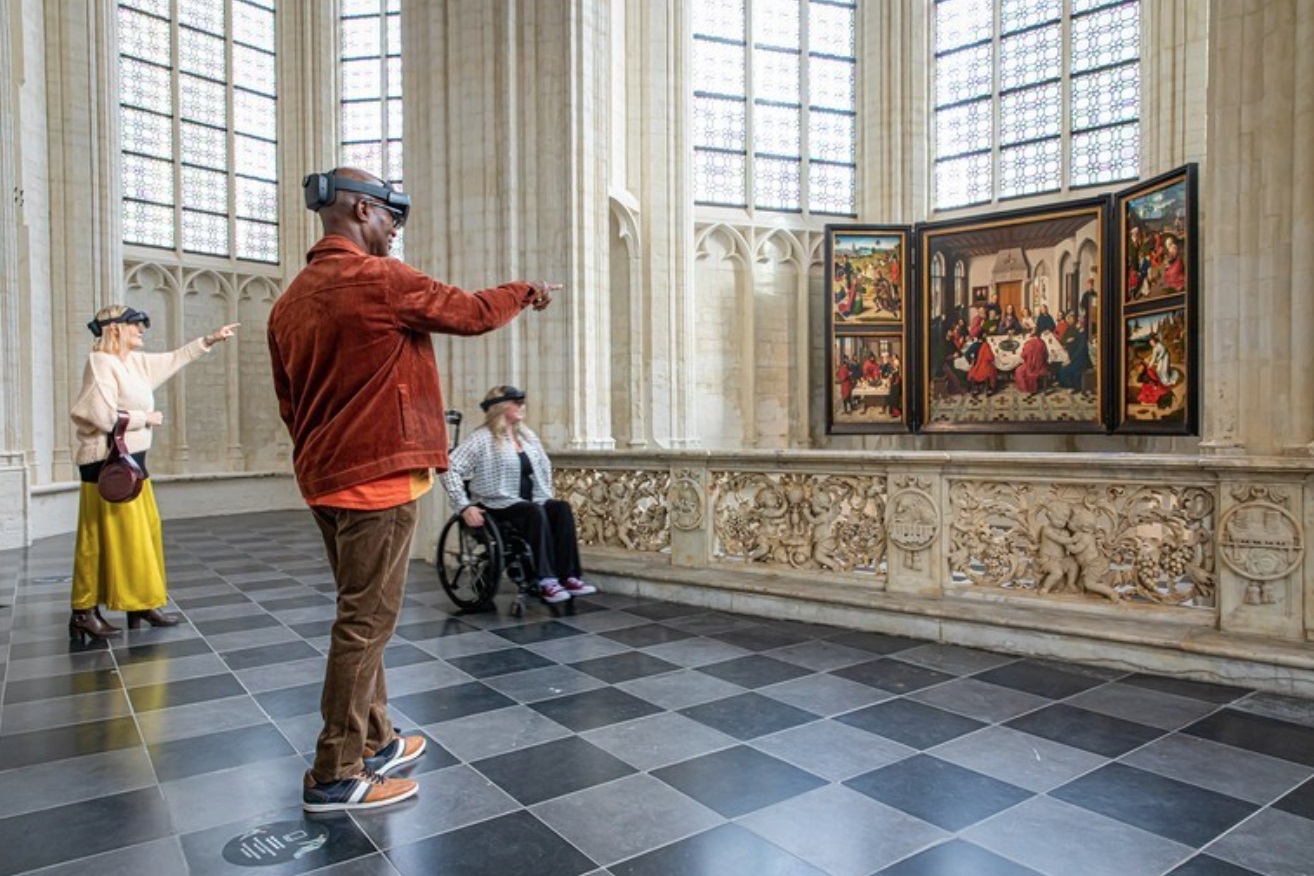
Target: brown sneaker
(399, 752)
(365, 791)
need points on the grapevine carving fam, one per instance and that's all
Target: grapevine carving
(1121, 541)
(800, 521)
(618, 508)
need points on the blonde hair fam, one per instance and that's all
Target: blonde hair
(495, 418)
(111, 337)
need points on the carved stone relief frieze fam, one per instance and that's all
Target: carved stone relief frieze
(1262, 541)
(800, 521)
(1151, 544)
(621, 508)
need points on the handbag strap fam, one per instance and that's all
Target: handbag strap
(118, 439)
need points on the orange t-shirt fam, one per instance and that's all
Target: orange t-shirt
(388, 491)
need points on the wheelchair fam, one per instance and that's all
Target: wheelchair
(472, 560)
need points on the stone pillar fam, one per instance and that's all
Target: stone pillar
(1174, 80)
(1258, 197)
(894, 101)
(659, 173)
(506, 149)
(86, 234)
(13, 474)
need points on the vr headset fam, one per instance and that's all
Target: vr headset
(97, 326)
(509, 393)
(321, 190)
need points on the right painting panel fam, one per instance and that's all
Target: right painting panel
(1157, 254)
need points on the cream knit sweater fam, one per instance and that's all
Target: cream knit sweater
(111, 384)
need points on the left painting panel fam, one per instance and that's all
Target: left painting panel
(866, 308)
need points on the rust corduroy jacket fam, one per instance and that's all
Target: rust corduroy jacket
(354, 368)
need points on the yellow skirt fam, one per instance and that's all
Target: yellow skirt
(119, 557)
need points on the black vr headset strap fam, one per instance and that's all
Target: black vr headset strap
(322, 189)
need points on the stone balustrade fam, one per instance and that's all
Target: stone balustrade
(1187, 565)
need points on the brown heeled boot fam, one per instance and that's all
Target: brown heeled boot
(84, 624)
(154, 617)
(109, 626)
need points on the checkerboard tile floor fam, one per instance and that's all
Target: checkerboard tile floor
(630, 737)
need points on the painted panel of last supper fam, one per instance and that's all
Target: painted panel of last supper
(1012, 321)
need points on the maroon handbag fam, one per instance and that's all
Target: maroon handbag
(120, 477)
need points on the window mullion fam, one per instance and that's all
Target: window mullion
(996, 98)
(804, 112)
(175, 88)
(1065, 97)
(230, 110)
(750, 114)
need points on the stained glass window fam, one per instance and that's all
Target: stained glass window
(198, 107)
(1034, 96)
(774, 105)
(371, 89)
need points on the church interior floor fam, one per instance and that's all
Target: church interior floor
(630, 737)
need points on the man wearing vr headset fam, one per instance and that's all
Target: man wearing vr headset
(358, 387)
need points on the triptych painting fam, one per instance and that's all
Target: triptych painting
(1078, 317)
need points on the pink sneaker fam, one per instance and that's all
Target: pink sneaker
(552, 591)
(579, 588)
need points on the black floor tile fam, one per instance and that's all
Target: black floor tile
(183, 758)
(594, 708)
(1038, 679)
(266, 655)
(736, 781)
(942, 793)
(957, 858)
(168, 694)
(1206, 865)
(876, 643)
(493, 663)
(728, 850)
(894, 676)
(1156, 803)
(1299, 802)
(1258, 733)
(646, 635)
(449, 703)
(658, 611)
(754, 670)
(748, 715)
(187, 603)
(397, 656)
(309, 600)
(418, 632)
(625, 666)
(553, 769)
(511, 844)
(78, 830)
(1197, 690)
(759, 638)
(914, 724)
(53, 686)
(53, 646)
(75, 740)
(1089, 731)
(535, 633)
(255, 621)
(312, 629)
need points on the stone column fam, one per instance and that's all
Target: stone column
(506, 148)
(894, 103)
(86, 234)
(1174, 83)
(13, 474)
(659, 174)
(1258, 197)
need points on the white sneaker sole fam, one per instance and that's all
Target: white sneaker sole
(377, 804)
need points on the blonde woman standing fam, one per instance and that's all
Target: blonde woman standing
(119, 556)
(510, 478)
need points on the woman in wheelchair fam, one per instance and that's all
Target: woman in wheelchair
(502, 470)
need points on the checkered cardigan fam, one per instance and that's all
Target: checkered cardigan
(484, 471)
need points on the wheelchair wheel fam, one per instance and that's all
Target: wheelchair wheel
(469, 563)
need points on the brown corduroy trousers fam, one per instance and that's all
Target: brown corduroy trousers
(368, 552)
